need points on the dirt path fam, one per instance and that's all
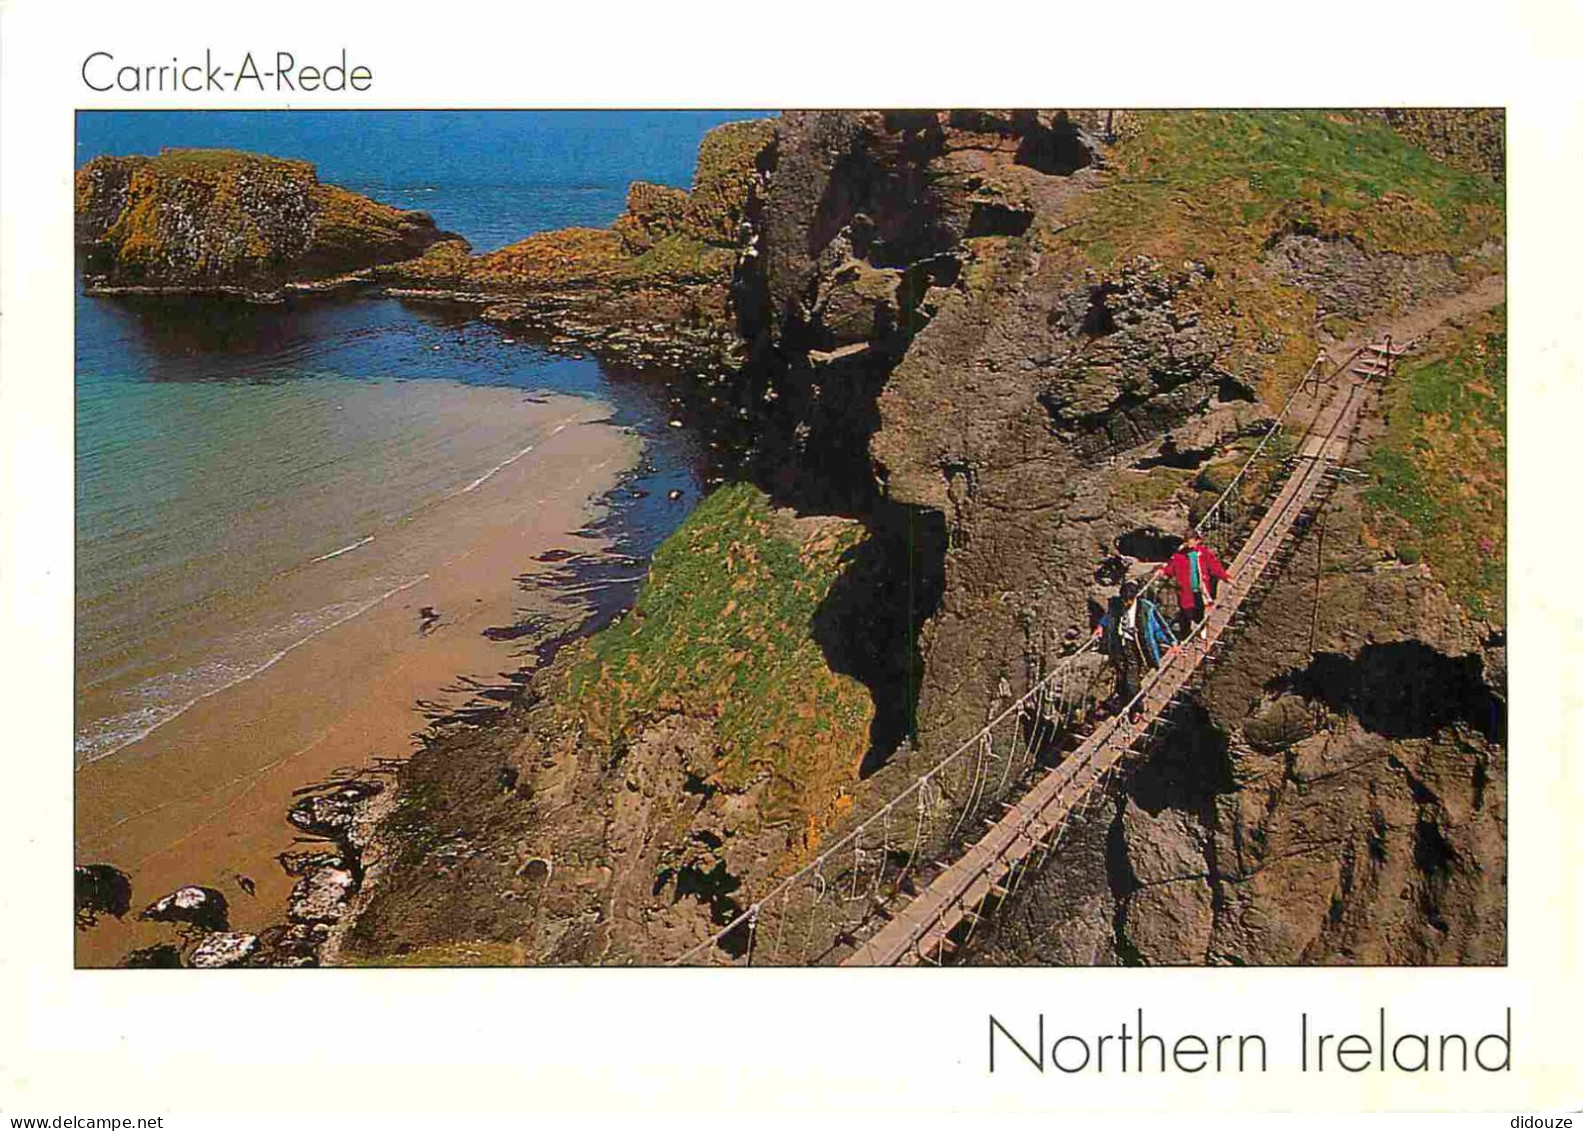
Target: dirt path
(1406, 328)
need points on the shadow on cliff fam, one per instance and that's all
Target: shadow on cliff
(891, 187)
(1404, 690)
(868, 623)
(1188, 767)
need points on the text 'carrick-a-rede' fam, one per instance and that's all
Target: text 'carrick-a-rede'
(280, 73)
(1137, 1049)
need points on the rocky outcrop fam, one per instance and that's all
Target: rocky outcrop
(870, 223)
(221, 949)
(343, 814)
(654, 286)
(321, 895)
(1471, 139)
(333, 814)
(226, 222)
(624, 808)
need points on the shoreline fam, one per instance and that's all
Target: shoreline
(203, 798)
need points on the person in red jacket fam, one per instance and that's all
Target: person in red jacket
(1198, 574)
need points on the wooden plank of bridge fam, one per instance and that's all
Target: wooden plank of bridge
(920, 929)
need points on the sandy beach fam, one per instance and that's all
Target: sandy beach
(202, 798)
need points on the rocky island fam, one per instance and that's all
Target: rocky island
(216, 221)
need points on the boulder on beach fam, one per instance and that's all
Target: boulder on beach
(198, 906)
(222, 949)
(101, 889)
(330, 814)
(289, 947)
(303, 861)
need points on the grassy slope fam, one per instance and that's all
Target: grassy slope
(1212, 184)
(723, 630)
(1439, 472)
(1216, 187)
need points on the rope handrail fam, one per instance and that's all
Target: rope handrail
(1269, 435)
(1158, 673)
(917, 783)
(816, 865)
(1103, 744)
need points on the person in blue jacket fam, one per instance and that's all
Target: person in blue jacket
(1136, 637)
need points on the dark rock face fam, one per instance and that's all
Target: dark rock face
(100, 889)
(1375, 830)
(862, 230)
(222, 221)
(1340, 806)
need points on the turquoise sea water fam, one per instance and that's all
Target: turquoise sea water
(220, 445)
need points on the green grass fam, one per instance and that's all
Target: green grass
(1183, 175)
(1318, 158)
(723, 631)
(1438, 475)
(1147, 489)
(1217, 186)
(679, 256)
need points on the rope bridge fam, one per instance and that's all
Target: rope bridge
(880, 895)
